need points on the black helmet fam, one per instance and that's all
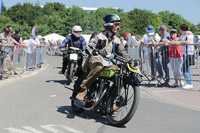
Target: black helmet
(109, 20)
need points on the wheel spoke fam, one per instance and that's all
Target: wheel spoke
(126, 102)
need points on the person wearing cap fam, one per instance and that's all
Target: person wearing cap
(131, 41)
(4, 44)
(7, 49)
(188, 51)
(149, 52)
(164, 54)
(176, 58)
(132, 46)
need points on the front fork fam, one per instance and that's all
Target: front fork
(120, 84)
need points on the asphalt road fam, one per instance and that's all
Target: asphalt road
(40, 104)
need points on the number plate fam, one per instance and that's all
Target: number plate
(73, 57)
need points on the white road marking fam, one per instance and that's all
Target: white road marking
(53, 96)
(48, 127)
(51, 128)
(167, 91)
(32, 129)
(15, 130)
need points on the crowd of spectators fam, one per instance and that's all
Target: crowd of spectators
(166, 52)
(160, 52)
(10, 39)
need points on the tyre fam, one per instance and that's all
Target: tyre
(70, 74)
(120, 109)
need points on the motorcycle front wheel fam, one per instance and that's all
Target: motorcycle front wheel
(70, 74)
(121, 108)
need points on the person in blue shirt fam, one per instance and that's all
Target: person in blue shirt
(73, 40)
(164, 59)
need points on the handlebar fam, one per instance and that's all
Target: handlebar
(74, 48)
(134, 62)
(120, 58)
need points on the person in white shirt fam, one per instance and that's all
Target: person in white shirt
(188, 50)
(31, 45)
(149, 56)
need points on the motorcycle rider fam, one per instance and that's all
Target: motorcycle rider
(101, 47)
(73, 40)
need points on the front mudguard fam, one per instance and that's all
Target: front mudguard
(134, 77)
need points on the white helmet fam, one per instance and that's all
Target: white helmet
(75, 29)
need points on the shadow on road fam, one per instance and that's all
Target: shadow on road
(57, 67)
(85, 114)
(63, 82)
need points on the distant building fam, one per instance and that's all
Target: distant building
(89, 9)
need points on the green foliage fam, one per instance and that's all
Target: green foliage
(138, 20)
(56, 18)
(3, 9)
(74, 16)
(173, 21)
(5, 21)
(24, 13)
(198, 25)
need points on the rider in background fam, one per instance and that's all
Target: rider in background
(73, 40)
(102, 46)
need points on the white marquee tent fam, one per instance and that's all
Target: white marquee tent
(54, 37)
(87, 37)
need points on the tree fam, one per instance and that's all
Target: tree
(3, 9)
(5, 21)
(75, 16)
(51, 8)
(198, 25)
(138, 20)
(173, 21)
(24, 13)
(55, 17)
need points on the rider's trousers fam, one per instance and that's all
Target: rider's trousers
(95, 67)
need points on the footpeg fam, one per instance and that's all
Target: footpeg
(78, 103)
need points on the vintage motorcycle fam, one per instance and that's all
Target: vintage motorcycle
(114, 94)
(72, 64)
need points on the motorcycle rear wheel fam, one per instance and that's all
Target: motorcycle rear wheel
(121, 109)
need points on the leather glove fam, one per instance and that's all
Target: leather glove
(102, 52)
(131, 60)
(95, 52)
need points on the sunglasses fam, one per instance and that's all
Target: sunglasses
(116, 25)
(172, 32)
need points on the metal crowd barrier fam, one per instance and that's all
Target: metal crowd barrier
(19, 59)
(157, 63)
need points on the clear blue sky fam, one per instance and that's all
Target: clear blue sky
(188, 9)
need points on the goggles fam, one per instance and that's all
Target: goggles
(77, 31)
(116, 25)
